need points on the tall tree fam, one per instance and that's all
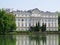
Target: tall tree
(59, 21)
(38, 27)
(7, 22)
(43, 27)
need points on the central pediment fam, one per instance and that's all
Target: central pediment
(36, 10)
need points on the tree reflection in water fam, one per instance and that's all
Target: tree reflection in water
(7, 40)
(59, 39)
(38, 39)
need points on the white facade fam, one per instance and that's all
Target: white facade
(25, 19)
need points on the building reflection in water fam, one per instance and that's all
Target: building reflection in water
(52, 39)
(37, 39)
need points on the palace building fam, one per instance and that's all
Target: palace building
(25, 19)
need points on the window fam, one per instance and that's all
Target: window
(22, 15)
(29, 24)
(26, 24)
(26, 19)
(45, 20)
(18, 24)
(22, 24)
(48, 20)
(52, 24)
(15, 14)
(48, 24)
(29, 19)
(22, 20)
(18, 19)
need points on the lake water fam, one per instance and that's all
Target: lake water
(36, 39)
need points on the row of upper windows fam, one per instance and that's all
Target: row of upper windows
(39, 15)
(46, 20)
(24, 19)
(22, 15)
(50, 20)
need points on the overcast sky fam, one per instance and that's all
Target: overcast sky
(44, 5)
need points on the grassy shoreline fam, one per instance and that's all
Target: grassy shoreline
(27, 32)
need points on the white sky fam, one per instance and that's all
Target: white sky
(44, 5)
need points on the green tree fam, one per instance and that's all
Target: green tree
(35, 28)
(59, 21)
(7, 22)
(43, 28)
(38, 26)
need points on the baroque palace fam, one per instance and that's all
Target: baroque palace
(25, 19)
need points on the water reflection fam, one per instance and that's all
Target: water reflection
(37, 39)
(7, 40)
(52, 39)
(48, 39)
(59, 40)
